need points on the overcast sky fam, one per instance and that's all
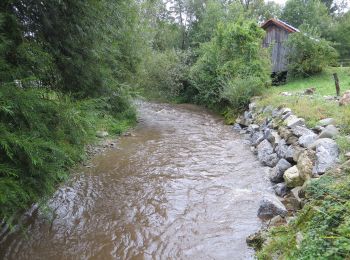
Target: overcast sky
(278, 1)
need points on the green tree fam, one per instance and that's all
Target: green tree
(309, 53)
(309, 12)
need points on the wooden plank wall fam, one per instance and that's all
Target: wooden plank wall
(276, 37)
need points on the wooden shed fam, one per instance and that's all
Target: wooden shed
(277, 33)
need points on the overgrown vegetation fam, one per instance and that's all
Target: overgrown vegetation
(63, 68)
(311, 54)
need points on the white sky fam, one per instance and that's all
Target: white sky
(282, 2)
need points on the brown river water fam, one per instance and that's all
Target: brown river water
(183, 186)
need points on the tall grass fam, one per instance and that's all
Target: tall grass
(43, 133)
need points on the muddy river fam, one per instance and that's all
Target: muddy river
(183, 186)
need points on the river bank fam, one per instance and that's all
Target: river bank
(311, 176)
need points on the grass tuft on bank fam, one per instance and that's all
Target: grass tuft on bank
(43, 133)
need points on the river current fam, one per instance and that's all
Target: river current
(183, 186)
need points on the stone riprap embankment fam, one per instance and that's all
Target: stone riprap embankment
(292, 153)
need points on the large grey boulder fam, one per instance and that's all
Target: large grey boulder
(270, 207)
(307, 139)
(276, 174)
(329, 132)
(327, 153)
(292, 177)
(266, 154)
(326, 121)
(280, 189)
(293, 121)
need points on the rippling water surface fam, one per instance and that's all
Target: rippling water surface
(184, 186)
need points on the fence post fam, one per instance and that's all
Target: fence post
(337, 87)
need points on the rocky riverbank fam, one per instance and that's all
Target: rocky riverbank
(292, 153)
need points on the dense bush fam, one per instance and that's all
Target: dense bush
(309, 54)
(42, 134)
(164, 74)
(232, 67)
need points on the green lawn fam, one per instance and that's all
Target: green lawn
(313, 108)
(324, 82)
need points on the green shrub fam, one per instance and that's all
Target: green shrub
(164, 74)
(43, 133)
(232, 67)
(309, 53)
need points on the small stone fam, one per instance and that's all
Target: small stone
(345, 99)
(242, 132)
(293, 121)
(329, 132)
(309, 91)
(270, 207)
(253, 128)
(277, 221)
(326, 121)
(252, 106)
(293, 140)
(286, 94)
(101, 134)
(280, 189)
(292, 177)
(299, 239)
(347, 155)
(237, 127)
(318, 129)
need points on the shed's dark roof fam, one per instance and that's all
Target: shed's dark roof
(280, 24)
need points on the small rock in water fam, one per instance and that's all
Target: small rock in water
(347, 155)
(101, 134)
(270, 207)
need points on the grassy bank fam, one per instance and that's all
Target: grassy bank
(43, 134)
(321, 230)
